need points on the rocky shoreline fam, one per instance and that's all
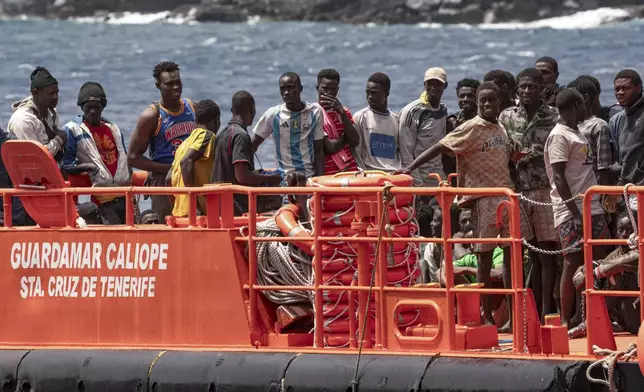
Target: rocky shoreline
(348, 11)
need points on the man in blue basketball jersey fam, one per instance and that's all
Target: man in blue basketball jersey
(297, 129)
(160, 129)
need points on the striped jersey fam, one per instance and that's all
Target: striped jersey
(172, 130)
(294, 134)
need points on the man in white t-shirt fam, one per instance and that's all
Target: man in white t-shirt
(569, 165)
(297, 129)
(378, 128)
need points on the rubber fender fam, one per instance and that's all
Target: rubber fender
(9, 362)
(334, 373)
(501, 375)
(628, 378)
(85, 370)
(180, 371)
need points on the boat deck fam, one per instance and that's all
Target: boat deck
(578, 346)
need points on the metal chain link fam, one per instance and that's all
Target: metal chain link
(548, 204)
(533, 248)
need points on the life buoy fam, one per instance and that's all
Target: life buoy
(344, 203)
(404, 230)
(337, 219)
(338, 264)
(287, 220)
(335, 309)
(342, 325)
(370, 178)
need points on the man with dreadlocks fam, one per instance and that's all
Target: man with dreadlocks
(505, 82)
(161, 128)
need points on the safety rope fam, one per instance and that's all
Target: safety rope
(632, 239)
(386, 198)
(609, 363)
(281, 265)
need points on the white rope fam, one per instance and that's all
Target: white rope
(608, 363)
(632, 239)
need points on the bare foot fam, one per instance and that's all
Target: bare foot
(507, 328)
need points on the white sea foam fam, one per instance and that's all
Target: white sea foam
(579, 20)
(137, 18)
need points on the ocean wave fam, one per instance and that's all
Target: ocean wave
(137, 18)
(580, 20)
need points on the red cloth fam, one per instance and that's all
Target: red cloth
(334, 131)
(106, 145)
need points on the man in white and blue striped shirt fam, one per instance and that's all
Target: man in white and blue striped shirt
(296, 127)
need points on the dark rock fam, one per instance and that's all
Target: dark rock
(350, 11)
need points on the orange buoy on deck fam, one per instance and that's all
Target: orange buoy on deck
(287, 220)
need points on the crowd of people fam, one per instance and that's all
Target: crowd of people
(528, 133)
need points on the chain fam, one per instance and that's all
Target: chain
(546, 204)
(533, 248)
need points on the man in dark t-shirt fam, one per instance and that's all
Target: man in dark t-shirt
(234, 161)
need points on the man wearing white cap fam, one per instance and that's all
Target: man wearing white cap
(423, 123)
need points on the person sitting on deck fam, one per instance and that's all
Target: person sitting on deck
(340, 134)
(193, 161)
(483, 151)
(161, 128)
(568, 159)
(433, 253)
(618, 271)
(378, 128)
(234, 160)
(96, 146)
(297, 128)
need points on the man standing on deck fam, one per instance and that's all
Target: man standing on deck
(161, 128)
(483, 152)
(35, 118)
(550, 71)
(194, 159)
(234, 160)
(595, 130)
(627, 129)
(378, 128)
(504, 83)
(466, 94)
(529, 125)
(297, 128)
(423, 123)
(96, 146)
(340, 135)
(568, 161)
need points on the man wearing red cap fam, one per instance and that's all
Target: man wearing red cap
(423, 123)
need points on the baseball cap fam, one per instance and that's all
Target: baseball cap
(436, 73)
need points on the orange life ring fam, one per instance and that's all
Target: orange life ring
(287, 220)
(373, 178)
(343, 203)
(404, 230)
(139, 177)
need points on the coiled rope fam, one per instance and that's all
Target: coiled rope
(281, 264)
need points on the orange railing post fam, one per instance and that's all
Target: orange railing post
(7, 208)
(253, 314)
(318, 334)
(445, 201)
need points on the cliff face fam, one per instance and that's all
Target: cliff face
(351, 11)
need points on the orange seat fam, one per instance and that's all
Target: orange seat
(31, 166)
